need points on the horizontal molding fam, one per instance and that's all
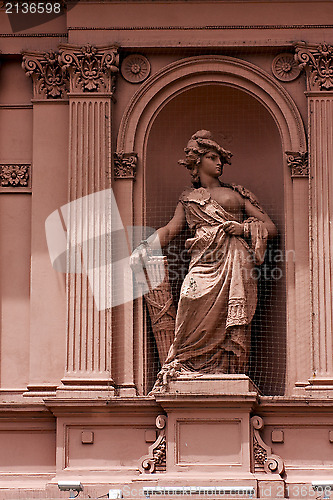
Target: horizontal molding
(15, 106)
(34, 35)
(201, 28)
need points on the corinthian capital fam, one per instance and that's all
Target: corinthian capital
(298, 163)
(91, 69)
(125, 165)
(317, 60)
(49, 81)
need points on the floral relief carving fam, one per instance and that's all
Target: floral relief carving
(263, 458)
(298, 163)
(260, 454)
(49, 81)
(125, 165)
(318, 64)
(135, 68)
(91, 69)
(285, 68)
(155, 461)
(15, 175)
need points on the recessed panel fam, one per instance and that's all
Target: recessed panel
(209, 442)
(113, 447)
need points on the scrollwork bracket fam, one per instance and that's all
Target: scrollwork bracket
(263, 458)
(155, 461)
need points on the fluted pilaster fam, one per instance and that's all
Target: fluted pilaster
(91, 73)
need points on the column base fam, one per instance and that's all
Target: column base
(91, 387)
(40, 390)
(320, 384)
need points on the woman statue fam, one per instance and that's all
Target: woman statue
(219, 294)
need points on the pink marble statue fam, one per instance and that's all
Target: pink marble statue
(219, 294)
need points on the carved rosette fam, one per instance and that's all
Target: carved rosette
(318, 64)
(49, 81)
(298, 163)
(285, 68)
(263, 458)
(135, 68)
(15, 175)
(91, 69)
(125, 165)
(155, 461)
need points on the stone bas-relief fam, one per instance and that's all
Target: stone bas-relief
(219, 294)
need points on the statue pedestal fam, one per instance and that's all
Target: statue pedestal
(208, 427)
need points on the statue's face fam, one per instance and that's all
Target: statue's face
(211, 164)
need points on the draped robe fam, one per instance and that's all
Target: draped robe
(219, 294)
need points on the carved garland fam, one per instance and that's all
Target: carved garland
(318, 64)
(49, 81)
(92, 69)
(264, 459)
(298, 163)
(125, 165)
(155, 461)
(15, 175)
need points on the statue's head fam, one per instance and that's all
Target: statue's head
(200, 144)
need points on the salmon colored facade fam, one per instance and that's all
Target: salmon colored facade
(104, 96)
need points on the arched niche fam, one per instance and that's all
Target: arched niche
(176, 98)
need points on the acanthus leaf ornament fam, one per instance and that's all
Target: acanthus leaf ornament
(91, 69)
(49, 81)
(125, 165)
(317, 60)
(298, 163)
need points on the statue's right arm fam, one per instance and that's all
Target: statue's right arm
(167, 233)
(162, 237)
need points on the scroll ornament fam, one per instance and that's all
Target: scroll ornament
(155, 461)
(49, 81)
(91, 69)
(298, 163)
(264, 459)
(318, 64)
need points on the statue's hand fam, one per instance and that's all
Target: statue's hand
(140, 256)
(234, 228)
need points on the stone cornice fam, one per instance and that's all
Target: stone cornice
(90, 69)
(49, 81)
(317, 60)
